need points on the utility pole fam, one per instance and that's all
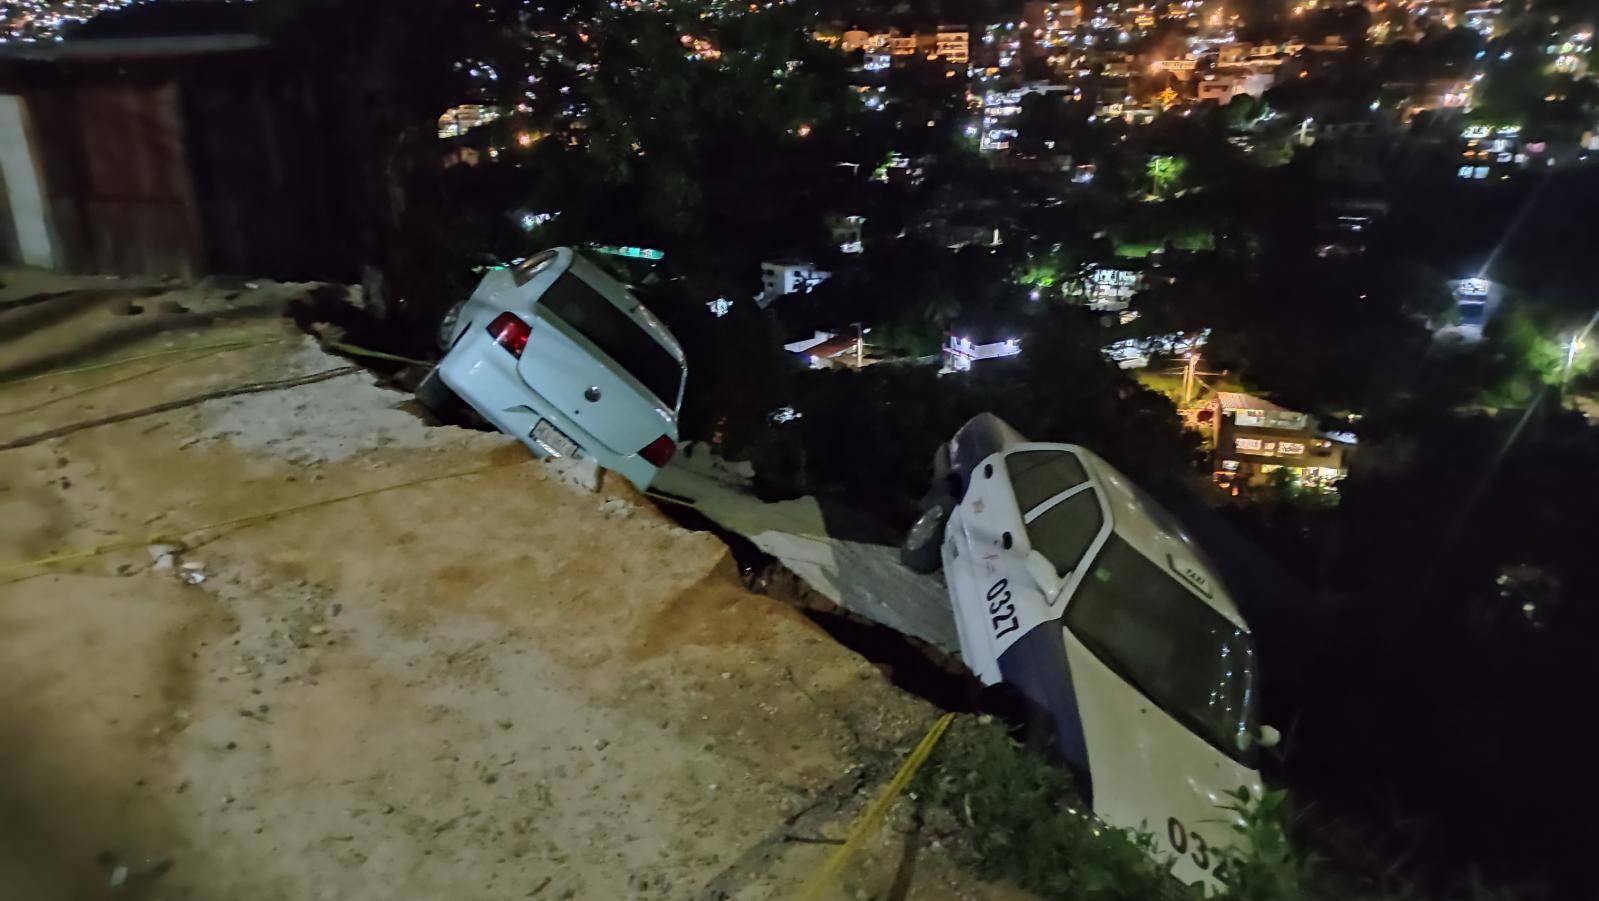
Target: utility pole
(1191, 374)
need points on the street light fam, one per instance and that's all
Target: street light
(1572, 346)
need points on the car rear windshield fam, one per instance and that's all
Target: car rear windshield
(616, 335)
(1064, 532)
(1138, 619)
(1038, 475)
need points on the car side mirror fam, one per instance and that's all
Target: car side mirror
(1269, 737)
(1043, 573)
(1266, 737)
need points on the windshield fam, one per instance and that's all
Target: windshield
(1038, 475)
(616, 334)
(1140, 621)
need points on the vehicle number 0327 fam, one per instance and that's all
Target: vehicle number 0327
(1193, 846)
(1001, 612)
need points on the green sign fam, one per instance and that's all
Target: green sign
(637, 253)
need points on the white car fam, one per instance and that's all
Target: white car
(559, 354)
(1072, 585)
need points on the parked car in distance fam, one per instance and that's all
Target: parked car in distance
(559, 354)
(1072, 585)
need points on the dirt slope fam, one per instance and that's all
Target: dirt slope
(488, 686)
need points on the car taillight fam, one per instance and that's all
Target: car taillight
(659, 451)
(510, 332)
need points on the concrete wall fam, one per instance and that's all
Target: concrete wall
(29, 221)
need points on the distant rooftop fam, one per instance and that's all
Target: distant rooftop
(1237, 400)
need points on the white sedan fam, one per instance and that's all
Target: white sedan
(1072, 585)
(559, 354)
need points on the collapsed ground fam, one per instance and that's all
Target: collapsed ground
(487, 685)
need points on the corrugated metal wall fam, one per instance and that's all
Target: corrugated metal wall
(118, 179)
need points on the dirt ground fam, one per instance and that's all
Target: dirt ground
(488, 685)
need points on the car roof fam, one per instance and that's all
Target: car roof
(618, 294)
(1150, 528)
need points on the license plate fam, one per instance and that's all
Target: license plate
(553, 440)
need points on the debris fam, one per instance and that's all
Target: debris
(163, 556)
(318, 630)
(616, 508)
(601, 745)
(335, 609)
(119, 875)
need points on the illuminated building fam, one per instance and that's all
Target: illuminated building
(459, 120)
(952, 43)
(961, 352)
(1252, 438)
(780, 277)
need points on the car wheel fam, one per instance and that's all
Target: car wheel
(920, 551)
(437, 398)
(449, 325)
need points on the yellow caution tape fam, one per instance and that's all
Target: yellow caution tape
(374, 354)
(199, 354)
(827, 877)
(237, 522)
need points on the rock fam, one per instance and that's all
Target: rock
(318, 630)
(335, 609)
(119, 876)
(616, 508)
(601, 745)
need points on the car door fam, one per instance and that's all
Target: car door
(1150, 770)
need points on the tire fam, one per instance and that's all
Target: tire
(437, 398)
(920, 552)
(448, 325)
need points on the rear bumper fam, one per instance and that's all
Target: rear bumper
(484, 376)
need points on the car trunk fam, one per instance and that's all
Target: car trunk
(570, 373)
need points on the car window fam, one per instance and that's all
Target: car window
(1036, 476)
(616, 334)
(1138, 619)
(1063, 532)
(524, 271)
